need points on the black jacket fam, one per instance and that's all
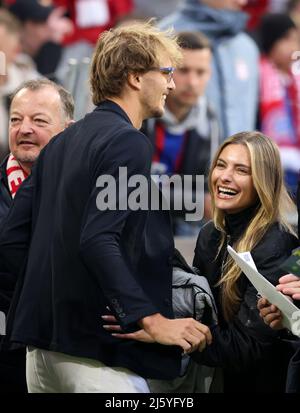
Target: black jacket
(293, 378)
(12, 363)
(253, 356)
(78, 260)
(7, 279)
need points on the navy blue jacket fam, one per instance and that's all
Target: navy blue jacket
(12, 363)
(7, 282)
(78, 260)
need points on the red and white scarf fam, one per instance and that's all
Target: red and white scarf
(15, 175)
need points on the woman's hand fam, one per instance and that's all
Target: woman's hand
(270, 314)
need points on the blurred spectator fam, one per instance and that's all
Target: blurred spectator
(256, 9)
(233, 89)
(90, 19)
(43, 28)
(277, 5)
(293, 9)
(155, 8)
(18, 68)
(280, 91)
(187, 135)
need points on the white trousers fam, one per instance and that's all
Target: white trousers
(52, 372)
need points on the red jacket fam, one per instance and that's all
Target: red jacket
(90, 30)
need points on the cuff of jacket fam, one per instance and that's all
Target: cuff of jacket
(129, 323)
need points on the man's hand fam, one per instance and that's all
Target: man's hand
(289, 284)
(270, 314)
(116, 330)
(187, 333)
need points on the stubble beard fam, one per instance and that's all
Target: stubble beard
(25, 158)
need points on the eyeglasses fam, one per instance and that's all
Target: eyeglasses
(168, 71)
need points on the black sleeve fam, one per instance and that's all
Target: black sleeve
(232, 347)
(205, 252)
(7, 283)
(101, 230)
(197, 261)
(15, 230)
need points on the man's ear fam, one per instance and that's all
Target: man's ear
(134, 80)
(69, 122)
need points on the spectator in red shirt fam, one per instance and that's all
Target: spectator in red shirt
(255, 9)
(91, 18)
(43, 28)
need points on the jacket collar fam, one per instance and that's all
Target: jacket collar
(237, 223)
(111, 106)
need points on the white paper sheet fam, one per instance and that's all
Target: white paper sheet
(290, 313)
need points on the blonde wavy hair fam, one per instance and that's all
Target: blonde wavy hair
(273, 203)
(133, 48)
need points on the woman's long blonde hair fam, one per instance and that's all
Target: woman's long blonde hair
(273, 203)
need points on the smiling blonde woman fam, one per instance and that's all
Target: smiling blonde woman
(249, 200)
(249, 206)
